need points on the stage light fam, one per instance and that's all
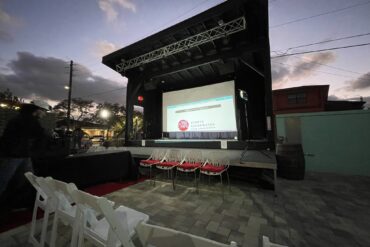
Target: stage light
(140, 98)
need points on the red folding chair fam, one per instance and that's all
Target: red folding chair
(216, 165)
(156, 157)
(192, 162)
(172, 159)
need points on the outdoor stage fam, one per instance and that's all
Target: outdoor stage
(228, 144)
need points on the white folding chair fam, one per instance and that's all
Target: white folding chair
(97, 229)
(65, 210)
(266, 243)
(157, 236)
(119, 226)
(43, 201)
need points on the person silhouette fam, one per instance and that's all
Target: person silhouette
(20, 141)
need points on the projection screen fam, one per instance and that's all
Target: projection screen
(207, 109)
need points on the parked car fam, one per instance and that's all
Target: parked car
(97, 140)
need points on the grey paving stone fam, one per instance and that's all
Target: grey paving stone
(212, 226)
(236, 237)
(322, 210)
(223, 231)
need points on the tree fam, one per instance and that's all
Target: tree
(116, 120)
(8, 95)
(81, 110)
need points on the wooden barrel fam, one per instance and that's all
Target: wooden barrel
(290, 161)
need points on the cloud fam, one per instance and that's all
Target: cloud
(7, 22)
(333, 97)
(363, 82)
(309, 64)
(283, 72)
(45, 77)
(102, 48)
(109, 7)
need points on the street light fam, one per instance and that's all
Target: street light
(105, 114)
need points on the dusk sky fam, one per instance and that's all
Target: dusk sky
(38, 38)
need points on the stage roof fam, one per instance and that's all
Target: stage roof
(204, 62)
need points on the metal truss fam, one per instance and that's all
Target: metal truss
(220, 31)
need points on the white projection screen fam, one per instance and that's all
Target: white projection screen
(207, 109)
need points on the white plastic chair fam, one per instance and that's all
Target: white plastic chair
(43, 201)
(97, 229)
(157, 236)
(266, 243)
(65, 210)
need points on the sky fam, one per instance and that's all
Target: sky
(38, 38)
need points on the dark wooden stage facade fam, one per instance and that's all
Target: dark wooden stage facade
(227, 42)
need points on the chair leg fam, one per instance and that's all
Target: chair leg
(150, 174)
(44, 227)
(173, 179)
(228, 179)
(81, 235)
(199, 181)
(54, 231)
(75, 232)
(33, 223)
(275, 183)
(222, 186)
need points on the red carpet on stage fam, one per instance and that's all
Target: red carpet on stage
(23, 217)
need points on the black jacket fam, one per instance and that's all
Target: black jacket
(22, 136)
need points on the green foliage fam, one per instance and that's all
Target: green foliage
(8, 95)
(81, 110)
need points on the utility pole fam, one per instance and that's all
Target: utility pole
(69, 95)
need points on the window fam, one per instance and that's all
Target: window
(297, 98)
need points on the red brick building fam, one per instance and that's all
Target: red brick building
(309, 99)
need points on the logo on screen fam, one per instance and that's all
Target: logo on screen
(183, 125)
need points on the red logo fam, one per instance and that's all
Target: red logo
(183, 125)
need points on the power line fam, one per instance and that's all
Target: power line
(328, 49)
(325, 41)
(314, 70)
(322, 64)
(320, 14)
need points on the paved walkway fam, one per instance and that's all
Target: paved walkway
(322, 210)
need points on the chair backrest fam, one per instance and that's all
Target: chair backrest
(151, 235)
(48, 190)
(194, 156)
(63, 192)
(218, 158)
(158, 154)
(91, 212)
(174, 155)
(119, 227)
(32, 179)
